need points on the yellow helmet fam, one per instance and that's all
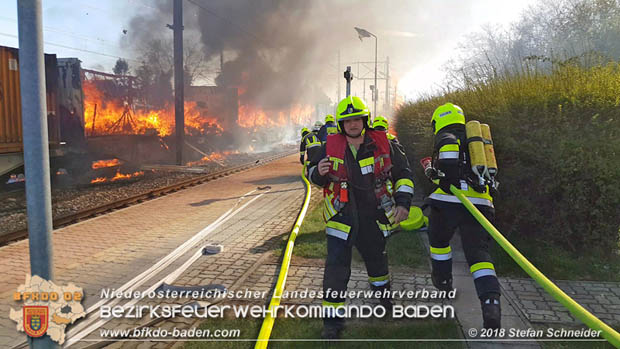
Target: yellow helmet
(352, 108)
(447, 114)
(304, 131)
(380, 121)
(329, 118)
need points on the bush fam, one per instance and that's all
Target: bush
(557, 142)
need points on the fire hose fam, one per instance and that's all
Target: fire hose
(575, 308)
(267, 326)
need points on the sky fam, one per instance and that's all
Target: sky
(418, 35)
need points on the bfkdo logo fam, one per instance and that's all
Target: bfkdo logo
(36, 318)
(46, 308)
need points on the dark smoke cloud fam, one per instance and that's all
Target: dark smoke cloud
(285, 51)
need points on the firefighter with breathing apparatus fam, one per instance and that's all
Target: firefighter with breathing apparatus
(463, 156)
(367, 188)
(309, 144)
(329, 128)
(380, 123)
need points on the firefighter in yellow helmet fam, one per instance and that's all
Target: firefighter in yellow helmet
(367, 187)
(329, 128)
(309, 144)
(380, 123)
(450, 166)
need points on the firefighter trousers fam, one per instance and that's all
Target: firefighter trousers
(443, 221)
(371, 245)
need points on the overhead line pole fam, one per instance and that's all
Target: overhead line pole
(35, 138)
(338, 70)
(375, 93)
(387, 85)
(179, 117)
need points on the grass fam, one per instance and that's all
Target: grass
(403, 249)
(575, 345)
(406, 249)
(556, 263)
(556, 142)
(373, 331)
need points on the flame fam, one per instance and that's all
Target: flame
(115, 116)
(98, 180)
(253, 117)
(105, 163)
(214, 157)
(106, 115)
(117, 176)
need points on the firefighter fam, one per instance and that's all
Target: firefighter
(309, 144)
(329, 128)
(317, 126)
(380, 123)
(367, 188)
(451, 167)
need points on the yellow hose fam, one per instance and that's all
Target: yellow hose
(265, 330)
(580, 312)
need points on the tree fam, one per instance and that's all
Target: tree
(121, 67)
(550, 33)
(155, 73)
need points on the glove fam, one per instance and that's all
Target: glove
(301, 159)
(430, 173)
(445, 183)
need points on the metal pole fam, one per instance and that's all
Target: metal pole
(374, 91)
(387, 85)
(348, 76)
(364, 93)
(179, 117)
(221, 60)
(338, 69)
(36, 152)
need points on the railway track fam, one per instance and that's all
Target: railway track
(72, 218)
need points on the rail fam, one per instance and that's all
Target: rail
(138, 198)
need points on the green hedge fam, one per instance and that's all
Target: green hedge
(557, 142)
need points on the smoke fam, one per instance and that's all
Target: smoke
(284, 52)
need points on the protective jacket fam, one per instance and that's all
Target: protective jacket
(328, 129)
(369, 181)
(309, 143)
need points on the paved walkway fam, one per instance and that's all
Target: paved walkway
(110, 250)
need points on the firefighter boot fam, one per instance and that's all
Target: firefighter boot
(332, 328)
(491, 312)
(442, 283)
(386, 301)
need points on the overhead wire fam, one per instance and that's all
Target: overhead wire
(75, 48)
(98, 41)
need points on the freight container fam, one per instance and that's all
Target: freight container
(11, 145)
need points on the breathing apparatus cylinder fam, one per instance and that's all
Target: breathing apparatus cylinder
(489, 151)
(475, 145)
